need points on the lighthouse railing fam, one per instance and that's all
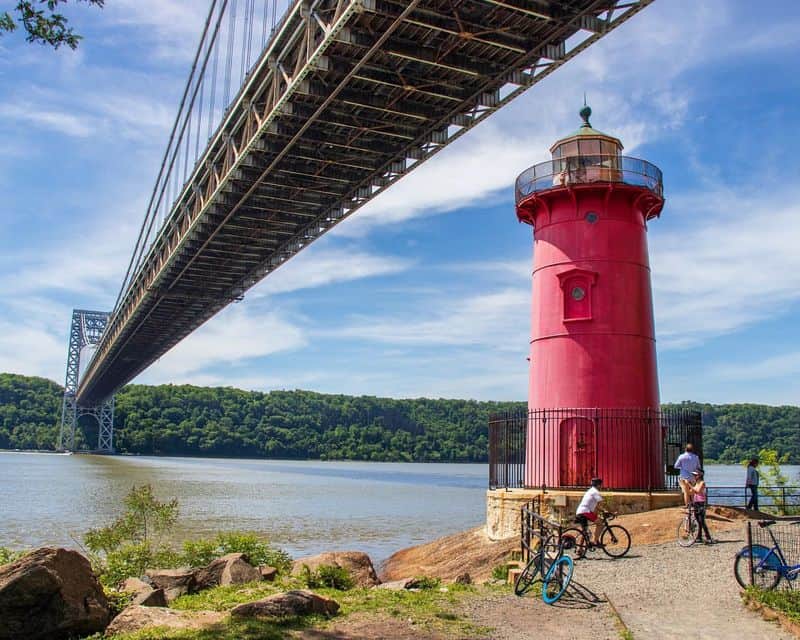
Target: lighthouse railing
(583, 169)
(631, 449)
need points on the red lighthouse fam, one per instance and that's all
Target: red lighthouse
(593, 393)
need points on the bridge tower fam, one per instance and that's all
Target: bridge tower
(593, 392)
(85, 331)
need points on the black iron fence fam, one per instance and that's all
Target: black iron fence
(772, 557)
(780, 500)
(631, 449)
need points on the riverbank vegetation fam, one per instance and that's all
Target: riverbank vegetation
(203, 421)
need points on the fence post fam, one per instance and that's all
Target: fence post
(783, 501)
(750, 549)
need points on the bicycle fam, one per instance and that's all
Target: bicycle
(688, 528)
(615, 540)
(556, 571)
(769, 565)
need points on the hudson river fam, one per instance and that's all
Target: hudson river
(303, 507)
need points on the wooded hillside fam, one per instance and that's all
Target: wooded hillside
(188, 420)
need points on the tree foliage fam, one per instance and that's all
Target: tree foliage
(42, 22)
(201, 421)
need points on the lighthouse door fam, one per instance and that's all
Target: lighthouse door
(577, 448)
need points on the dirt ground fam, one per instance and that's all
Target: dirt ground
(659, 591)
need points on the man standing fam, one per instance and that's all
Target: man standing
(751, 484)
(587, 509)
(687, 463)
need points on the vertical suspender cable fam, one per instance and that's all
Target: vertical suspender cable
(229, 57)
(264, 25)
(144, 231)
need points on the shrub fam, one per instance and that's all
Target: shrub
(327, 575)
(130, 545)
(426, 584)
(9, 555)
(198, 553)
(500, 572)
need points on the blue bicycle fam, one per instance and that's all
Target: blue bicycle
(769, 565)
(549, 562)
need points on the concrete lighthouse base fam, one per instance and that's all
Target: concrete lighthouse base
(503, 506)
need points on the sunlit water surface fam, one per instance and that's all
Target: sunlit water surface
(304, 507)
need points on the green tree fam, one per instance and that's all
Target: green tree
(131, 543)
(42, 22)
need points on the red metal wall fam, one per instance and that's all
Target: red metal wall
(592, 331)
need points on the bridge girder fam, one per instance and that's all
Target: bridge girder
(347, 97)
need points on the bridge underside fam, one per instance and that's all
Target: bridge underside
(348, 97)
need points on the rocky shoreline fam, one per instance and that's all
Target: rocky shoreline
(427, 591)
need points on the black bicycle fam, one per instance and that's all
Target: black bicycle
(544, 551)
(548, 564)
(615, 540)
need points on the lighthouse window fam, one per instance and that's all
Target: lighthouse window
(591, 217)
(578, 293)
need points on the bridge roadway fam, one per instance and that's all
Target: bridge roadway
(347, 97)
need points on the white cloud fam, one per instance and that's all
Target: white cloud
(497, 319)
(31, 348)
(47, 118)
(735, 263)
(316, 267)
(782, 366)
(235, 335)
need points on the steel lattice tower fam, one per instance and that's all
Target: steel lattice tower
(85, 331)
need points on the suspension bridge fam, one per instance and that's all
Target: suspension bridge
(295, 115)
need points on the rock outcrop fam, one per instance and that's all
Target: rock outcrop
(233, 568)
(144, 594)
(450, 557)
(357, 564)
(174, 582)
(50, 594)
(286, 605)
(137, 617)
(268, 574)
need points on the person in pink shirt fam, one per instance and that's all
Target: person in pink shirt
(699, 492)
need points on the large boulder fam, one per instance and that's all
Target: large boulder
(233, 568)
(143, 593)
(50, 594)
(357, 564)
(174, 582)
(287, 605)
(137, 617)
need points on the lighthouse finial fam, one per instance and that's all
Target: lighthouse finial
(585, 112)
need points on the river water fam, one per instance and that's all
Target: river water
(304, 507)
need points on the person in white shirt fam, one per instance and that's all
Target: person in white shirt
(687, 463)
(587, 509)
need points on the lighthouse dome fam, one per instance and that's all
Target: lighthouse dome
(586, 141)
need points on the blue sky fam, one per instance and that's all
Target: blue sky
(426, 291)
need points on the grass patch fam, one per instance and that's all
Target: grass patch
(787, 602)
(427, 610)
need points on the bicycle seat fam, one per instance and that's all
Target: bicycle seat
(765, 523)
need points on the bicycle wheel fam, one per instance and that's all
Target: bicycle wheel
(616, 540)
(574, 543)
(532, 570)
(766, 568)
(687, 531)
(557, 579)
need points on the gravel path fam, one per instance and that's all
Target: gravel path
(660, 591)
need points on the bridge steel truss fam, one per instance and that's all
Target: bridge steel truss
(347, 97)
(86, 329)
